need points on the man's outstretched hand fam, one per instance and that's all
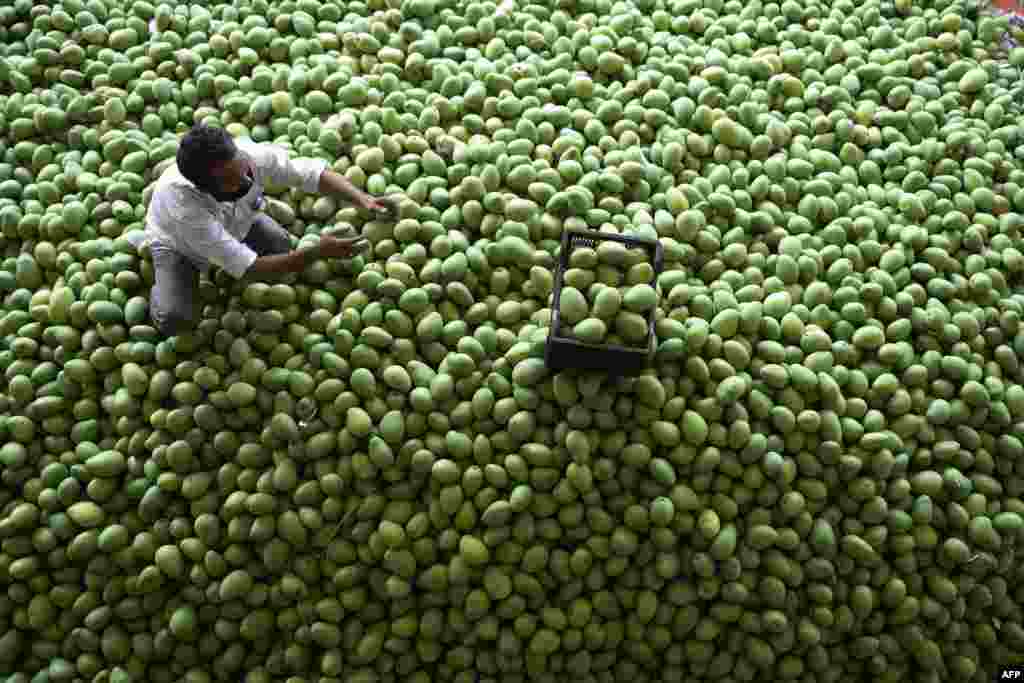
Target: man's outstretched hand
(383, 208)
(332, 246)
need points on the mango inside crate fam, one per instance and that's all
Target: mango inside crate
(566, 351)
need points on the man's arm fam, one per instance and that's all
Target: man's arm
(280, 264)
(296, 261)
(310, 175)
(337, 184)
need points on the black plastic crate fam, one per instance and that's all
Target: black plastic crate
(562, 353)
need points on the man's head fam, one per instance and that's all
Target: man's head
(208, 157)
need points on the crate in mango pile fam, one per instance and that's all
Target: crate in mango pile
(610, 326)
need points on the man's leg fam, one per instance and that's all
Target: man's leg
(172, 302)
(267, 237)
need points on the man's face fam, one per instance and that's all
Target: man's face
(230, 175)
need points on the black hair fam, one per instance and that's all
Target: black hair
(201, 148)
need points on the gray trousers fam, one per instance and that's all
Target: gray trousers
(172, 302)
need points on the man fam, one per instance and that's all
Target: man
(205, 211)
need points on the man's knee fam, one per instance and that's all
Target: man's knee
(282, 241)
(275, 237)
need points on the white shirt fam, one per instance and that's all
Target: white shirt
(208, 232)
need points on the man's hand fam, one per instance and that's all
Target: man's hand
(370, 203)
(341, 247)
(383, 208)
(330, 246)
